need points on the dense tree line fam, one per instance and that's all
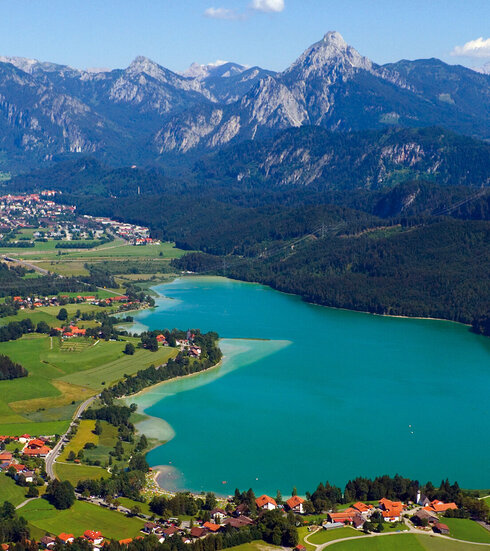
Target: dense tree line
(115, 415)
(438, 270)
(10, 370)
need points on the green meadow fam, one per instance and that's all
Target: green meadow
(82, 516)
(61, 375)
(466, 529)
(10, 491)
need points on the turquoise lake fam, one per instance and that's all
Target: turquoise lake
(329, 395)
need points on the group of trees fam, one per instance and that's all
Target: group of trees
(12, 527)
(11, 370)
(60, 494)
(15, 329)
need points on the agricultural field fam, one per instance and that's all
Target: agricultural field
(61, 375)
(466, 529)
(74, 472)
(81, 516)
(405, 542)
(117, 249)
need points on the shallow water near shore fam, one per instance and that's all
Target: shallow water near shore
(331, 395)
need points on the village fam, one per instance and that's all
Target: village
(59, 222)
(26, 466)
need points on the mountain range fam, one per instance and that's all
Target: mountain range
(146, 114)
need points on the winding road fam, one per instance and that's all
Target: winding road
(55, 452)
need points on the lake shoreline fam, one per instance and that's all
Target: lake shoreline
(330, 350)
(288, 293)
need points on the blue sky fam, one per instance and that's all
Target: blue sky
(269, 33)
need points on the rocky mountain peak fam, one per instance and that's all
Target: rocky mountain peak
(331, 52)
(142, 64)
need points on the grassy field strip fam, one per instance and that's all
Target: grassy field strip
(403, 542)
(82, 516)
(323, 536)
(34, 429)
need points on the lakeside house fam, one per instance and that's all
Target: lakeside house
(295, 504)
(266, 503)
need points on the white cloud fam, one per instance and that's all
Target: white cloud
(223, 13)
(480, 47)
(268, 5)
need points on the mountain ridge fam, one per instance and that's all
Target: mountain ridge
(145, 113)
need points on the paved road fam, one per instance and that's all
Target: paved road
(25, 264)
(54, 453)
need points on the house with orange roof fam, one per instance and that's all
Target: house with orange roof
(438, 506)
(346, 516)
(295, 504)
(127, 541)
(66, 538)
(93, 536)
(39, 452)
(266, 503)
(391, 510)
(35, 443)
(362, 507)
(5, 457)
(211, 526)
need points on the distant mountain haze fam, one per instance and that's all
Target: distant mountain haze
(146, 113)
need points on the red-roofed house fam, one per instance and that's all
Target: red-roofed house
(36, 443)
(440, 507)
(345, 516)
(40, 452)
(362, 507)
(266, 502)
(295, 503)
(126, 541)
(93, 537)
(66, 538)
